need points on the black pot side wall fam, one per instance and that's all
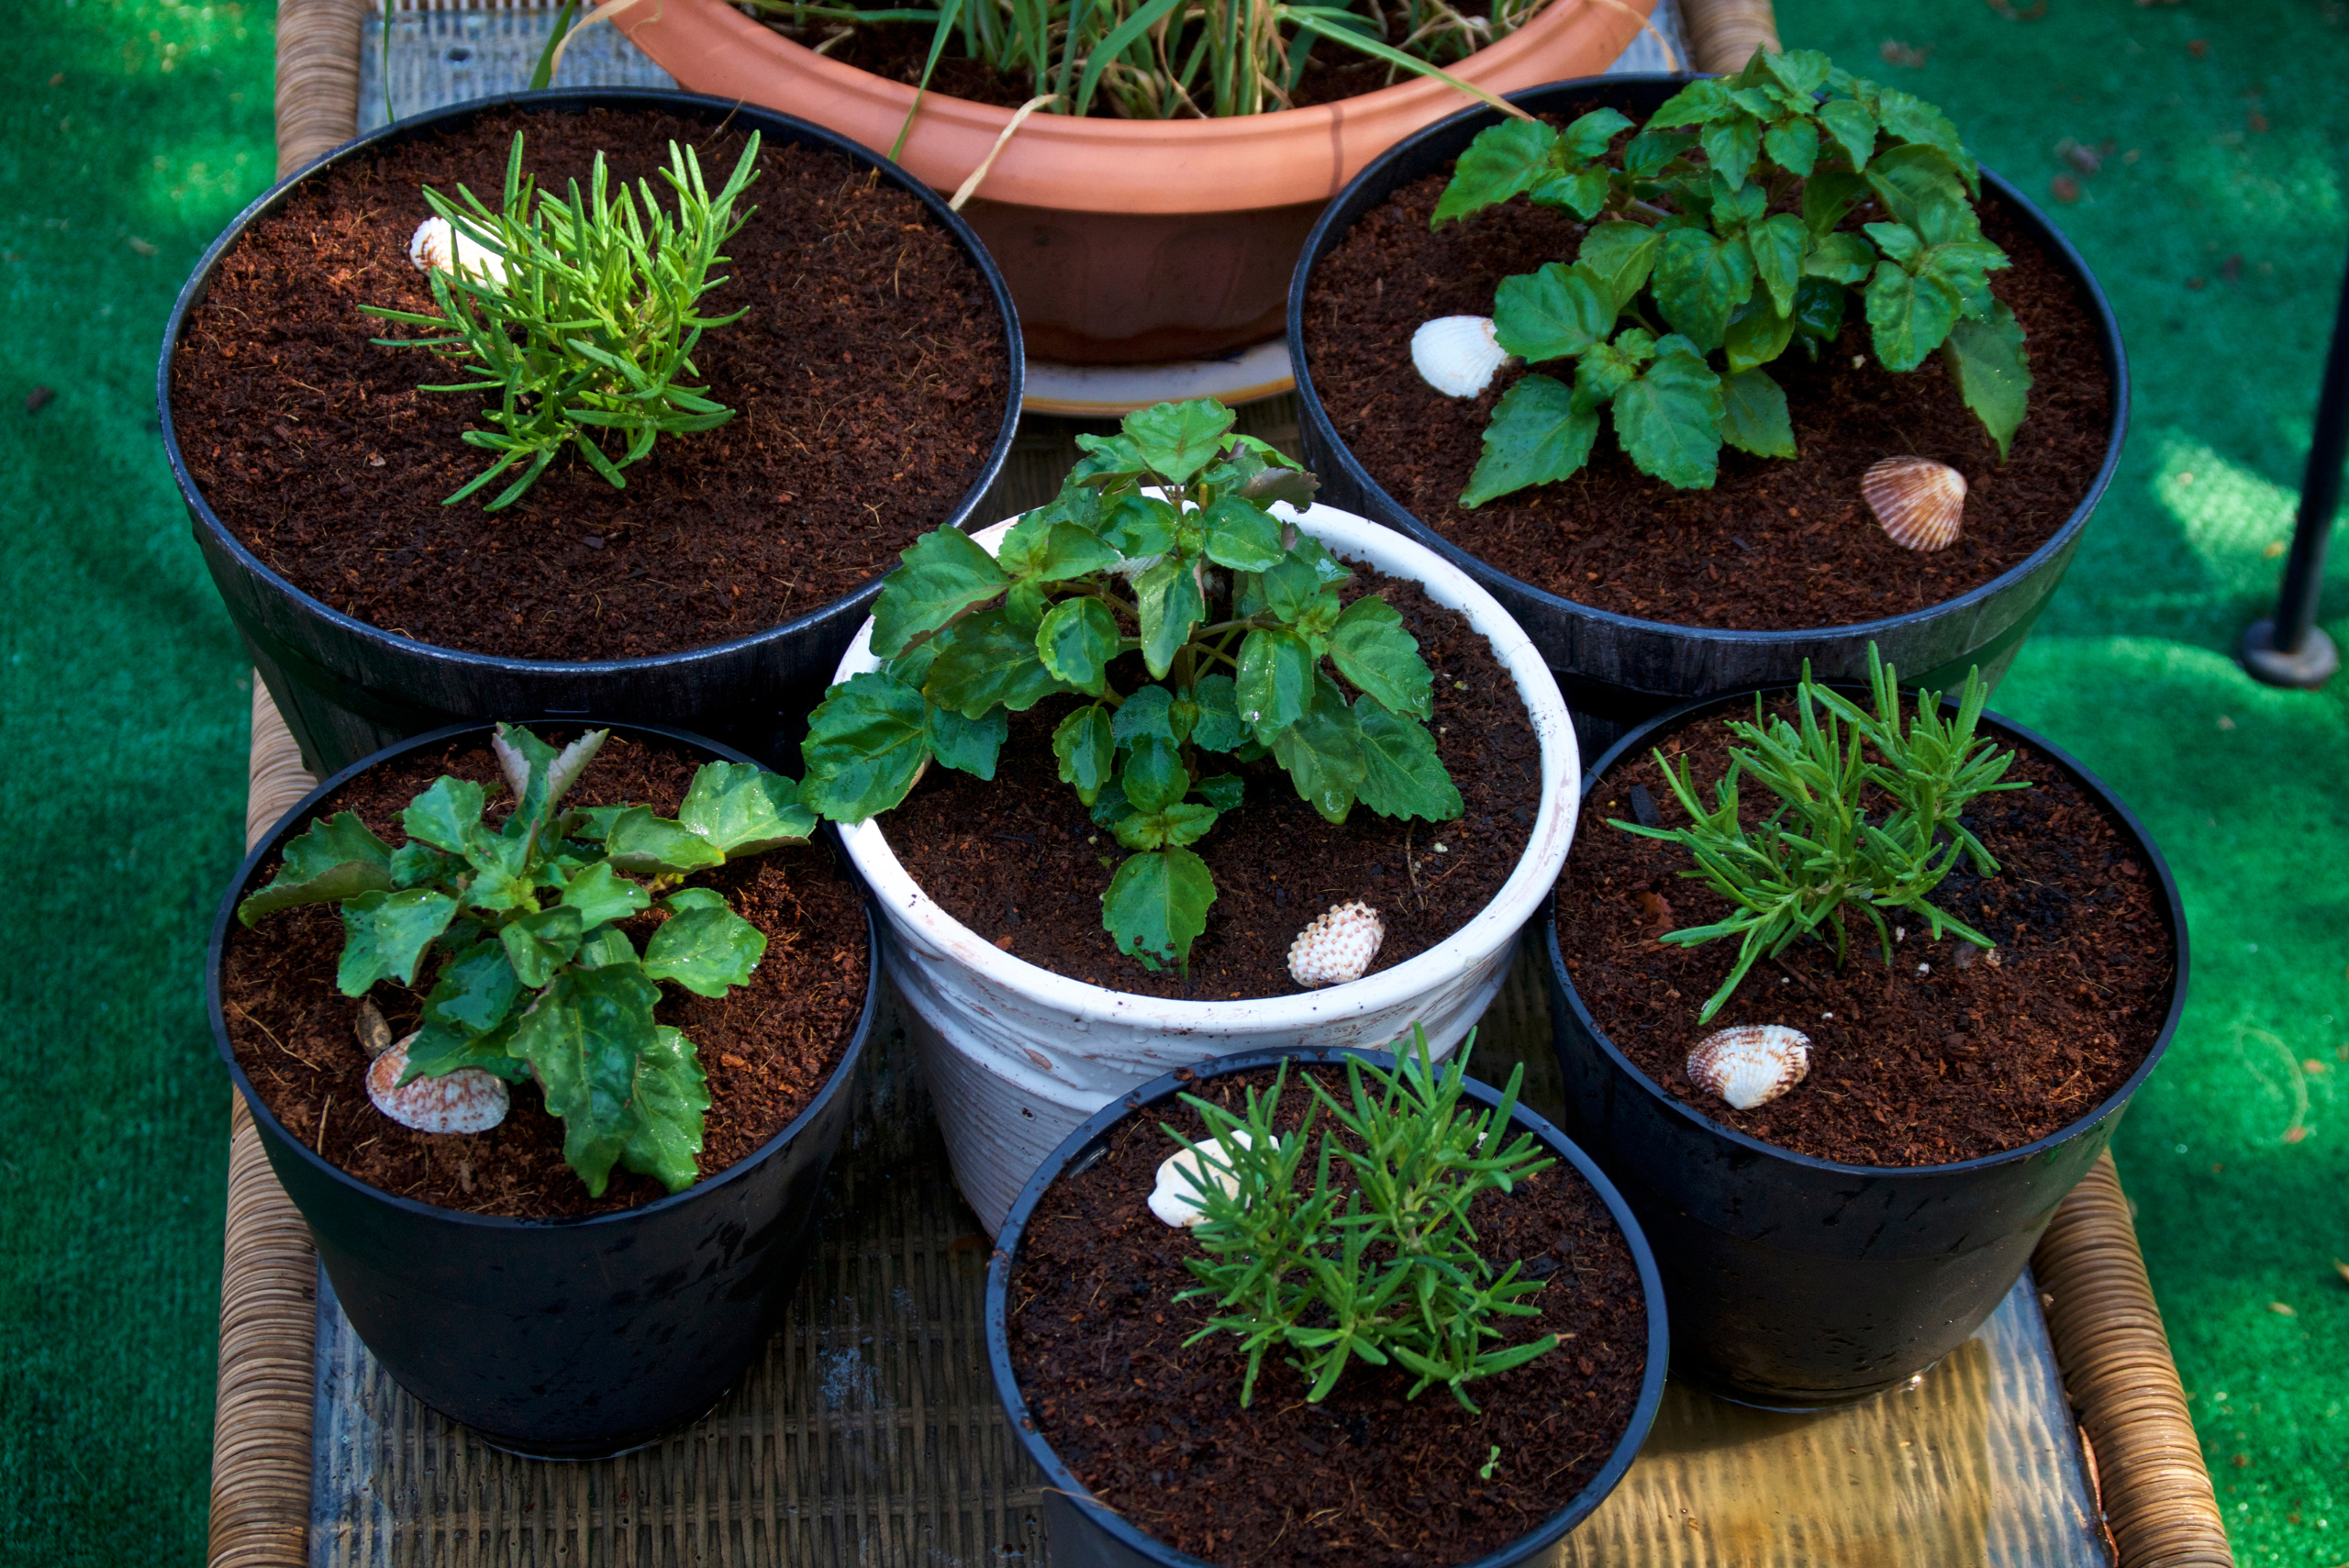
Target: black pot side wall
(563, 1339)
(346, 688)
(1617, 671)
(1084, 1534)
(1799, 1282)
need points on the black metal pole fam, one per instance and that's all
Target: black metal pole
(2292, 650)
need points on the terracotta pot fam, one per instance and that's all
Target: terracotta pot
(1124, 241)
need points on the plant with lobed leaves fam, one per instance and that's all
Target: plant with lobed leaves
(537, 979)
(1119, 564)
(1718, 241)
(1391, 1275)
(1818, 855)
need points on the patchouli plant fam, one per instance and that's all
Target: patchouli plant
(1718, 239)
(535, 977)
(1230, 664)
(1389, 1272)
(583, 315)
(1867, 820)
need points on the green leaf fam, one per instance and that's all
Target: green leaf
(1669, 420)
(1076, 641)
(1293, 485)
(1620, 256)
(1241, 535)
(1753, 415)
(1041, 549)
(1323, 751)
(687, 898)
(1793, 145)
(1086, 750)
(439, 1050)
(968, 745)
(1153, 777)
(385, 933)
(1169, 599)
(1699, 102)
(1506, 159)
(1589, 135)
(1402, 775)
(1841, 257)
(1699, 280)
(1157, 906)
(1909, 317)
(1803, 71)
(600, 895)
(1608, 370)
(1652, 152)
(605, 944)
(1731, 144)
(1819, 313)
(1828, 198)
(475, 994)
(537, 945)
(1216, 726)
(1178, 439)
(944, 574)
(419, 865)
(670, 1096)
(866, 743)
(583, 1042)
(1757, 334)
(655, 846)
(1914, 120)
(1537, 435)
(1920, 187)
(1180, 823)
(1992, 369)
(1853, 128)
(1582, 193)
(1105, 459)
(986, 664)
(1553, 313)
(1149, 712)
(1141, 526)
(1222, 791)
(501, 878)
(1779, 243)
(444, 816)
(706, 950)
(1371, 649)
(1276, 681)
(743, 809)
(339, 857)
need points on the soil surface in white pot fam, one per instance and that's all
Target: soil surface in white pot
(1773, 544)
(867, 380)
(1021, 860)
(767, 1047)
(1365, 1476)
(1947, 1055)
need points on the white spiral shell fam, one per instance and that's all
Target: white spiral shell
(1338, 945)
(1457, 355)
(1751, 1064)
(1919, 502)
(468, 1100)
(435, 245)
(1175, 1199)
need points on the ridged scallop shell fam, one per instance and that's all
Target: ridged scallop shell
(1457, 354)
(1921, 503)
(1338, 945)
(1175, 1199)
(468, 1100)
(436, 246)
(1751, 1064)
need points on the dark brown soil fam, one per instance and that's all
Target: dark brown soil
(868, 381)
(1947, 1056)
(1773, 544)
(767, 1048)
(1020, 862)
(1364, 1477)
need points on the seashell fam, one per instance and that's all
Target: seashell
(468, 1100)
(1457, 354)
(1175, 1199)
(1751, 1064)
(437, 245)
(1338, 945)
(1921, 503)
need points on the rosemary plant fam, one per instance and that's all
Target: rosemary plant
(587, 321)
(1818, 856)
(1388, 1274)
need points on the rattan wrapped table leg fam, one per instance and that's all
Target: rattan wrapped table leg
(1723, 34)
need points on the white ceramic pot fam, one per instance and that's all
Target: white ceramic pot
(1017, 1056)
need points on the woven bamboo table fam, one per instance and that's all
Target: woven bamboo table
(868, 1433)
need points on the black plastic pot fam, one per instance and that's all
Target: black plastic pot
(560, 1338)
(1799, 1282)
(346, 688)
(1617, 669)
(1084, 1534)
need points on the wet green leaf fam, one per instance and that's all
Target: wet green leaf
(1992, 369)
(385, 933)
(1323, 751)
(1076, 641)
(537, 945)
(444, 816)
(647, 845)
(708, 951)
(1242, 535)
(1699, 280)
(968, 745)
(1157, 906)
(1620, 255)
(1371, 649)
(1086, 750)
(866, 742)
(1177, 440)
(1537, 435)
(1168, 596)
(1218, 726)
(1669, 419)
(1276, 681)
(944, 574)
(988, 662)
(337, 858)
(743, 809)
(670, 1096)
(600, 895)
(583, 1040)
(1402, 775)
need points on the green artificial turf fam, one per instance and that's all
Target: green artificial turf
(130, 130)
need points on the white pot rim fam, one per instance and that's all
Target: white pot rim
(1518, 899)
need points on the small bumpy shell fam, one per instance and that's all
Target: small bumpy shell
(1175, 1199)
(468, 1100)
(1919, 502)
(1457, 354)
(436, 246)
(1338, 945)
(1751, 1064)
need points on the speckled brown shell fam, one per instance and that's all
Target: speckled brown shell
(1751, 1064)
(468, 1100)
(1921, 503)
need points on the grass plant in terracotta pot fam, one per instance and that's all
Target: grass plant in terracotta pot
(1171, 764)
(566, 403)
(1304, 1305)
(1850, 988)
(549, 1039)
(1696, 342)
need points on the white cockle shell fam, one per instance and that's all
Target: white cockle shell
(1338, 945)
(1751, 1064)
(468, 1100)
(1175, 1199)
(436, 246)
(1457, 354)
(1919, 502)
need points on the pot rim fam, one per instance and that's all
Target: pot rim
(1074, 1147)
(1327, 231)
(1517, 901)
(2173, 908)
(842, 1070)
(570, 101)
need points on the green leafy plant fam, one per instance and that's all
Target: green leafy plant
(1819, 855)
(1120, 563)
(588, 320)
(536, 978)
(1387, 1274)
(1717, 240)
